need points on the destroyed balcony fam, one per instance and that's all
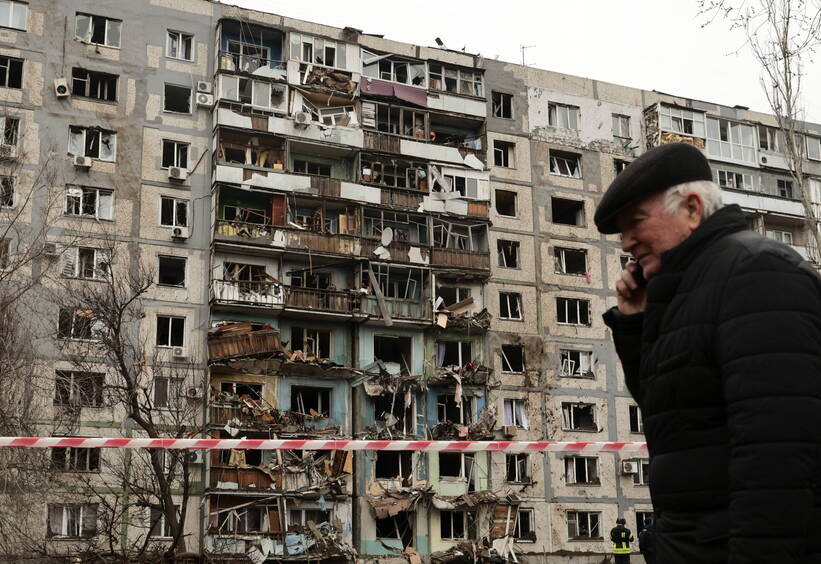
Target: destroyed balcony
(239, 339)
(248, 60)
(247, 293)
(291, 238)
(249, 48)
(401, 198)
(409, 310)
(321, 300)
(477, 261)
(253, 152)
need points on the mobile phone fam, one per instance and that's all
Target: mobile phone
(638, 273)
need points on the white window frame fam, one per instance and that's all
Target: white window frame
(94, 329)
(642, 477)
(91, 30)
(499, 108)
(518, 534)
(575, 518)
(560, 261)
(591, 470)
(169, 319)
(521, 467)
(102, 86)
(65, 517)
(813, 148)
(14, 7)
(75, 198)
(260, 90)
(302, 39)
(563, 116)
(177, 145)
(580, 305)
(14, 123)
(516, 415)
(179, 37)
(177, 202)
(84, 132)
(71, 267)
(563, 165)
(76, 397)
(173, 392)
(164, 526)
(785, 237)
(515, 247)
(85, 456)
(734, 148)
(571, 368)
(506, 360)
(786, 186)
(621, 126)
(634, 412)
(677, 120)
(569, 420)
(770, 138)
(466, 519)
(507, 296)
(506, 152)
(734, 180)
(463, 465)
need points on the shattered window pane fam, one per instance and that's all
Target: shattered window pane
(11, 72)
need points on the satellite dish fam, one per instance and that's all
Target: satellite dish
(387, 236)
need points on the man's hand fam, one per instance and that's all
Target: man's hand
(631, 290)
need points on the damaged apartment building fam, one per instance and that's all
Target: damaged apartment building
(356, 238)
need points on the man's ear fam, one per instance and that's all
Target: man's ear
(694, 207)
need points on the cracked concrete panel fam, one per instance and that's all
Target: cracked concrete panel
(522, 218)
(190, 6)
(534, 355)
(506, 248)
(519, 157)
(572, 314)
(528, 305)
(597, 354)
(572, 263)
(193, 292)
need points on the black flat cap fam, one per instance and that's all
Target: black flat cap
(655, 171)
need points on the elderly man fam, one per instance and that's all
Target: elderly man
(719, 333)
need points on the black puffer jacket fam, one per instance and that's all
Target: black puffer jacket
(725, 364)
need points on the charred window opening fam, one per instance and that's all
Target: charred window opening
(567, 212)
(452, 295)
(395, 350)
(518, 470)
(453, 353)
(312, 401)
(513, 358)
(578, 417)
(394, 466)
(239, 389)
(455, 465)
(11, 72)
(576, 364)
(510, 305)
(457, 525)
(171, 271)
(504, 154)
(390, 410)
(177, 99)
(96, 85)
(525, 529)
(448, 410)
(502, 105)
(312, 342)
(506, 203)
(400, 526)
(581, 470)
(508, 252)
(570, 261)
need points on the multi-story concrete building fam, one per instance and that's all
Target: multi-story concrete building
(347, 237)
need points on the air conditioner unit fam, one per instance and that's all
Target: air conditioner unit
(205, 100)
(179, 352)
(61, 88)
(196, 457)
(180, 233)
(629, 467)
(302, 118)
(763, 159)
(510, 430)
(50, 250)
(8, 151)
(177, 173)
(82, 162)
(193, 393)
(205, 87)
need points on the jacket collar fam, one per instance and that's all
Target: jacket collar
(723, 222)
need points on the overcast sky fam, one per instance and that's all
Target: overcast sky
(651, 44)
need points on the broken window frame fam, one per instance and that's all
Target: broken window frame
(381, 169)
(578, 213)
(81, 199)
(311, 168)
(75, 459)
(404, 466)
(731, 140)
(573, 311)
(514, 412)
(682, 121)
(173, 338)
(465, 82)
(177, 260)
(560, 263)
(248, 57)
(636, 422)
(770, 138)
(300, 40)
(448, 523)
(336, 115)
(305, 514)
(465, 407)
(159, 527)
(167, 392)
(460, 293)
(8, 192)
(642, 477)
(581, 521)
(779, 235)
(643, 517)
(398, 282)
(466, 464)
(177, 219)
(507, 253)
(74, 520)
(69, 388)
(89, 142)
(574, 363)
(78, 324)
(9, 79)
(86, 263)
(94, 85)
(179, 152)
(177, 44)
(256, 388)
(565, 164)
(262, 92)
(504, 154)
(395, 112)
(372, 66)
(319, 337)
(463, 352)
(784, 188)
(563, 116)
(166, 100)
(465, 186)
(621, 126)
(324, 395)
(459, 236)
(502, 104)
(515, 203)
(734, 180)
(517, 468)
(510, 306)
(93, 21)
(582, 470)
(570, 416)
(522, 533)
(508, 366)
(10, 126)
(16, 17)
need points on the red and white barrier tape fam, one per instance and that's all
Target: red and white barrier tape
(300, 444)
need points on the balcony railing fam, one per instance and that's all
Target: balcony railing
(320, 299)
(471, 260)
(245, 344)
(246, 292)
(398, 308)
(291, 237)
(234, 62)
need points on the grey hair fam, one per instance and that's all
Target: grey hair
(708, 190)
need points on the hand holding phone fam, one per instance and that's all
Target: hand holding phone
(631, 289)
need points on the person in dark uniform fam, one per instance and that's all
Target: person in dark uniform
(621, 537)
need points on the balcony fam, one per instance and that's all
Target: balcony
(252, 63)
(453, 258)
(260, 294)
(317, 299)
(225, 477)
(287, 238)
(417, 310)
(236, 341)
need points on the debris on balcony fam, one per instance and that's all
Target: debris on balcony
(392, 396)
(469, 374)
(468, 553)
(242, 339)
(393, 503)
(479, 430)
(338, 81)
(461, 316)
